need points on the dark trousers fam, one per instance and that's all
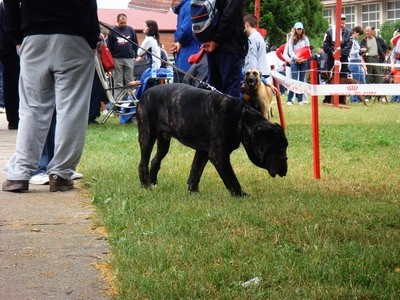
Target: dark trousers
(11, 71)
(375, 73)
(344, 71)
(98, 94)
(225, 72)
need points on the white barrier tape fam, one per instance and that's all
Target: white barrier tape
(373, 64)
(336, 89)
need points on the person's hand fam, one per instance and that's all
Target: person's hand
(364, 49)
(300, 60)
(175, 47)
(209, 46)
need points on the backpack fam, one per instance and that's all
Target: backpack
(204, 15)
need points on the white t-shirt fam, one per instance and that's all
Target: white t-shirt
(151, 42)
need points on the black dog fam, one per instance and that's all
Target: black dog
(214, 125)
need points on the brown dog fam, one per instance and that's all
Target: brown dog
(342, 80)
(259, 94)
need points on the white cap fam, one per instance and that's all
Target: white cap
(298, 25)
(343, 16)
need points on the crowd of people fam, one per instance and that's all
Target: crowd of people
(51, 110)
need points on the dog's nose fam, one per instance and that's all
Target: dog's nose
(251, 80)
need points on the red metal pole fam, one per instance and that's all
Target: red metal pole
(279, 102)
(338, 34)
(257, 10)
(315, 122)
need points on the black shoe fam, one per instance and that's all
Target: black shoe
(59, 184)
(12, 126)
(16, 186)
(93, 122)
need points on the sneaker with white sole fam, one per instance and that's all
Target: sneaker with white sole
(289, 103)
(40, 179)
(76, 175)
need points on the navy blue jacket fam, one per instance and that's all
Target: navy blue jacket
(120, 47)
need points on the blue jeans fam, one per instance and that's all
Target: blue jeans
(298, 73)
(395, 98)
(358, 74)
(48, 149)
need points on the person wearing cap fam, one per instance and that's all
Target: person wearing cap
(373, 49)
(346, 42)
(298, 64)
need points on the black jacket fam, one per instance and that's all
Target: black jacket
(74, 17)
(229, 33)
(382, 47)
(345, 44)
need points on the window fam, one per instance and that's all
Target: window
(328, 15)
(349, 11)
(393, 11)
(370, 15)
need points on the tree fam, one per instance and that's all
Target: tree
(387, 29)
(279, 16)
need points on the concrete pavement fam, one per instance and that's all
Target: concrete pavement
(48, 248)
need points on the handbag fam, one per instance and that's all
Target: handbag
(106, 57)
(140, 66)
(303, 52)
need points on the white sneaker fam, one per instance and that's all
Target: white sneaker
(76, 175)
(301, 103)
(104, 112)
(289, 103)
(41, 178)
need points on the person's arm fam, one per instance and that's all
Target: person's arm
(348, 43)
(279, 52)
(364, 66)
(12, 20)
(292, 55)
(135, 42)
(384, 45)
(328, 43)
(286, 53)
(251, 57)
(184, 34)
(146, 44)
(227, 19)
(395, 53)
(89, 24)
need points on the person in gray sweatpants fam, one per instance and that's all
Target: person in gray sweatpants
(57, 70)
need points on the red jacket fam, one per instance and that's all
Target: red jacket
(279, 52)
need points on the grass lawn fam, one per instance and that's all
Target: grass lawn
(333, 238)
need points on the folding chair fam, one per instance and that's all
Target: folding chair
(125, 103)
